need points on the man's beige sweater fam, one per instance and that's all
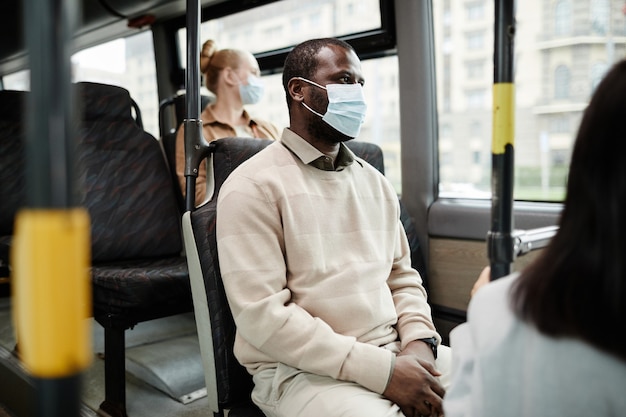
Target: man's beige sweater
(316, 266)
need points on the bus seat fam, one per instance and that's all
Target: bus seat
(168, 137)
(168, 147)
(373, 154)
(137, 111)
(179, 104)
(417, 257)
(12, 168)
(138, 271)
(228, 383)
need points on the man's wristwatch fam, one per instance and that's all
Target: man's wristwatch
(432, 342)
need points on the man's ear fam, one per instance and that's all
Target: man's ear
(295, 89)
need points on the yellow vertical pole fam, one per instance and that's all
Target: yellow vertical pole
(500, 238)
(51, 248)
(52, 303)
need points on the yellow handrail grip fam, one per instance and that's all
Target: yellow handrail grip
(51, 256)
(503, 117)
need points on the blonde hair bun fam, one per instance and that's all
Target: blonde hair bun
(209, 48)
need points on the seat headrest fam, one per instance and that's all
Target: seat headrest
(98, 101)
(12, 105)
(103, 102)
(180, 106)
(229, 153)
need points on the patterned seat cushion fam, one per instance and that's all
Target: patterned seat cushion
(142, 289)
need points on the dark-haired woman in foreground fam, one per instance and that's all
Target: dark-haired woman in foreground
(551, 340)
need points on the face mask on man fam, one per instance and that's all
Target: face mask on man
(252, 92)
(346, 107)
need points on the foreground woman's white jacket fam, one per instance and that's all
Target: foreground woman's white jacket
(501, 366)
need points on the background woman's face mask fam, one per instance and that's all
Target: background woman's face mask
(252, 92)
(346, 107)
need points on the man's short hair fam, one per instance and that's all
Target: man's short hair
(302, 60)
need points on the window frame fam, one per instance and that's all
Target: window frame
(368, 44)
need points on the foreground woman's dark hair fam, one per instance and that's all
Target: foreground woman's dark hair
(577, 287)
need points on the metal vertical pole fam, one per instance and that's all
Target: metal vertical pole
(51, 244)
(500, 238)
(193, 125)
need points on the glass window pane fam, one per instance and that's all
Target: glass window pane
(561, 82)
(562, 50)
(127, 63)
(285, 23)
(600, 16)
(17, 81)
(562, 18)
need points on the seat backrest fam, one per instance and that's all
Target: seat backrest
(228, 382)
(179, 104)
(373, 154)
(12, 168)
(168, 136)
(125, 181)
(369, 152)
(168, 144)
(12, 157)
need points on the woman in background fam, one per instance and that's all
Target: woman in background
(233, 76)
(550, 341)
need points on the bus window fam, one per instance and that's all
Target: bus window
(127, 63)
(560, 70)
(19, 81)
(286, 23)
(289, 22)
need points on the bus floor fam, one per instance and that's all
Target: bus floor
(164, 375)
